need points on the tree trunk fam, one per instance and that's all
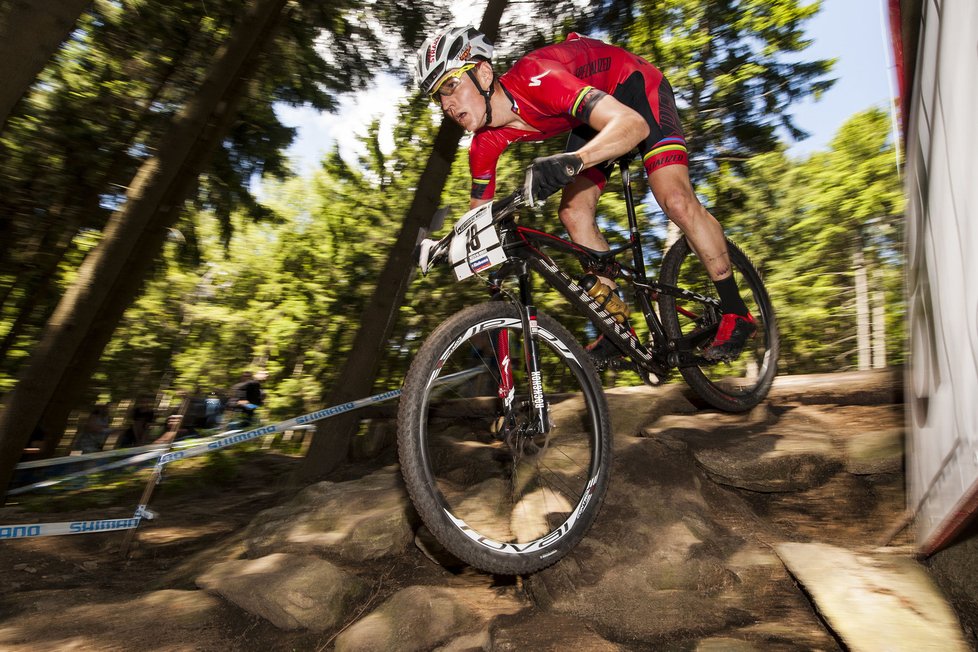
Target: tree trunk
(39, 287)
(42, 283)
(74, 382)
(131, 240)
(864, 345)
(29, 35)
(331, 442)
(879, 322)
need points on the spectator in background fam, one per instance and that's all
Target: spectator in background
(213, 408)
(196, 411)
(247, 396)
(141, 418)
(93, 431)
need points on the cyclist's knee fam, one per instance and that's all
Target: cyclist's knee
(578, 203)
(571, 215)
(580, 225)
(674, 193)
(680, 206)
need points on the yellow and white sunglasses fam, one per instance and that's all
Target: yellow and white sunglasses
(449, 83)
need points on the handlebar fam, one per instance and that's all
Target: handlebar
(508, 205)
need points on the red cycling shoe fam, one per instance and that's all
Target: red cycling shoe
(732, 335)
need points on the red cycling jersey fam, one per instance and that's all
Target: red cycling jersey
(553, 90)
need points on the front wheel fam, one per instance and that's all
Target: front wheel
(497, 488)
(740, 384)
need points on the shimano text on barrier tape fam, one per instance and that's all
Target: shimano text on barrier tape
(70, 527)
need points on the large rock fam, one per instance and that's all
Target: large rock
(767, 450)
(874, 601)
(290, 591)
(875, 451)
(789, 461)
(680, 549)
(546, 633)
(654, 564)
(633, 408)
(875, 387)
(416, 618)
(355, 521)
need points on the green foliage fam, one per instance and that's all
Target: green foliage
(732, 65)
(100, 108)
(280, 283)
(285, 294)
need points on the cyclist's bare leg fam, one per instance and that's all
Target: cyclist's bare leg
(674, 193)
(577, 207)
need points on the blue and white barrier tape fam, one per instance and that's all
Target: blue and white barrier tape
(135, 459)
(82, 527)
(70, 527)
(281, 426)
(120, 452)
(152, 451)
(75, 459)
(319, 415)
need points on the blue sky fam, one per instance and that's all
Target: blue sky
(849, 30)
(852, 32)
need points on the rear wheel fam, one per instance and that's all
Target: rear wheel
(733, 386)
(494, 489)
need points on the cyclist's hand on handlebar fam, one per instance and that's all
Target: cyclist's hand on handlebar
(548, 174)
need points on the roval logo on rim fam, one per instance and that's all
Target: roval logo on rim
(531, 546)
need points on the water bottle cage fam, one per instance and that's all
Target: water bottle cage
(609, 269)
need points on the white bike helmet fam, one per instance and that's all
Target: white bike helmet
(448, 50)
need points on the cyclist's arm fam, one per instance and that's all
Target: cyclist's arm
(484, 152)
(620, 128)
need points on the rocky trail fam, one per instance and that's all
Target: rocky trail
(780, 529)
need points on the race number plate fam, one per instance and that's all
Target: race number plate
(475, 246)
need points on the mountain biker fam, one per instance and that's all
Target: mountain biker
(610, 101)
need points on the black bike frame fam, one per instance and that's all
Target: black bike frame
(522, 246)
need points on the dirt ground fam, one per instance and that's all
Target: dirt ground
(81, 592)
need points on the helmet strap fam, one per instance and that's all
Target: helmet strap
(486, 93)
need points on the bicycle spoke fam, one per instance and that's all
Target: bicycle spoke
(743, 381)
(494, 472)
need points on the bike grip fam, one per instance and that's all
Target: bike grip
(428, 254)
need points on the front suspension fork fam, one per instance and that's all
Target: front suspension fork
(539, 415)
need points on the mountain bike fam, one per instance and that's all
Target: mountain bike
(504, 436)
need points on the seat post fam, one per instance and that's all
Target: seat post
(634, 237)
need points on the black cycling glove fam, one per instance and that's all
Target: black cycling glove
(548, 174)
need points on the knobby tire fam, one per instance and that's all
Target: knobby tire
(515, 506)
(742, 383)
